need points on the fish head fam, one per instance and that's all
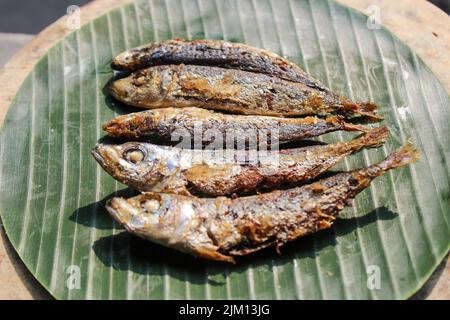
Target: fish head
(170, 220)
(132, 59)
(124, 59)
(143, 87)
(152, 216)
(142, 214)
(137, 164)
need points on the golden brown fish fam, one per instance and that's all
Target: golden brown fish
(148, 167)
(216, 53)
(221, 228)
(168, 124)
(230, 90)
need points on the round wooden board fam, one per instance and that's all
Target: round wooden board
(424, 27)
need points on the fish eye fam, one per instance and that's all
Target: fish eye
(134, 155)
(150, 205)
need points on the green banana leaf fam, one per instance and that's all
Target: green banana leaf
(53, 192)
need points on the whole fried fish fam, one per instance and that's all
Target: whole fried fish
(230, 90)
(167, 124)
(216, 53)
(148, 167)
(220, 228)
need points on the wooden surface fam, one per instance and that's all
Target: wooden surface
(10, 43)
(418, 23)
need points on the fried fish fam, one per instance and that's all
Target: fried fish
(168, 124)
(216, 53)
(222, 228)
(149, 167)
(230, 90)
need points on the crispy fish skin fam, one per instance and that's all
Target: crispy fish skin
(162, 123)
(293, 169)
(217, 53)
(193, 172)
(221, 228)
(229, 90)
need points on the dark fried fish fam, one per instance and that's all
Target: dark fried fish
(148, 167)
(167, 124)
(220, 228)
(230, 90)
(213, 53)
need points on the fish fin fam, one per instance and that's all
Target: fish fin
(245, 251)
(180, 190)
(213, 255)
(172, 185)
(366, 109)
(339, 121)
(370, 116)
(278, 246)
(402, 156)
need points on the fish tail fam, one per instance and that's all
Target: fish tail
(351, 126)
(372, 138)
(368, 107)
(403, 156)
(207, 253)
(365, 109)
(370, 116)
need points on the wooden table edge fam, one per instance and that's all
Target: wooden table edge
(430, 40)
